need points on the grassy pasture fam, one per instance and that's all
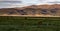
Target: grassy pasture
(16, 23)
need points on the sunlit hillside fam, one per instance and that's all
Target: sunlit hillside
(49, 10)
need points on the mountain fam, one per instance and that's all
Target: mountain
(53, 10)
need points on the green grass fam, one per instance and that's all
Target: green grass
(29, 23)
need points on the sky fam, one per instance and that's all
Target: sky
(22, 3)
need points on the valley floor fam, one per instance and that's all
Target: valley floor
(17, 23)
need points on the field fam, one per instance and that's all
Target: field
(16, 23)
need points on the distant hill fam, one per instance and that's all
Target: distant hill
(33, 10)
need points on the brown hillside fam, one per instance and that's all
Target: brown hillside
(32, 10)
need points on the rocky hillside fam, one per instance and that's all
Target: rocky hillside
(33, 10)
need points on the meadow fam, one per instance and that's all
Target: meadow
(16, 23)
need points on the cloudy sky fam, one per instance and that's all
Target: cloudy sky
(21, 3)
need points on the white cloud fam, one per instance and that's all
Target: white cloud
(24, 3)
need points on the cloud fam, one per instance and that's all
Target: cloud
(10, 0)
(24, 3)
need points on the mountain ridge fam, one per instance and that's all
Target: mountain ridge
(32, 10)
